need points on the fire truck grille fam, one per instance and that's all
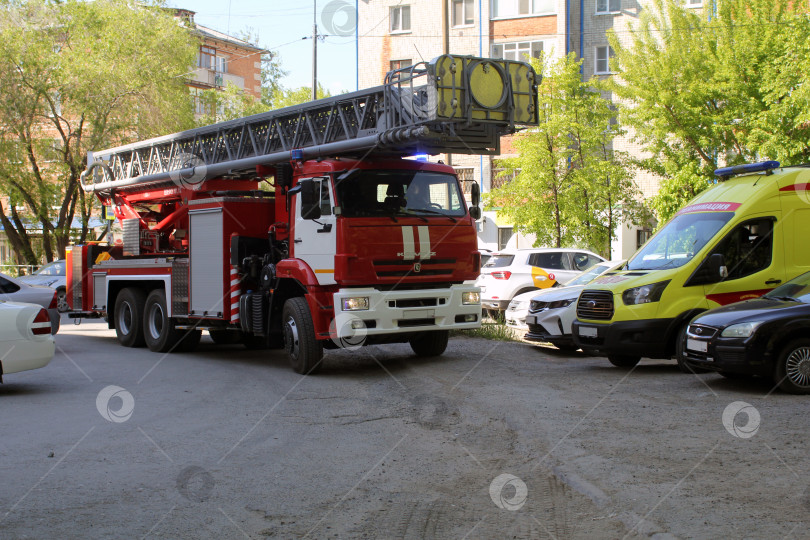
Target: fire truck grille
(401, 268)
(595, 305)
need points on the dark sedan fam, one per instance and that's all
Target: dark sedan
(768, 336)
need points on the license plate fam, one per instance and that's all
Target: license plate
(530, 319)
(695, 345)
(587, 331)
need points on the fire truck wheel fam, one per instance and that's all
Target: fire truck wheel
(430, 343)
(128, 315)
(158, 329)
(304, 350)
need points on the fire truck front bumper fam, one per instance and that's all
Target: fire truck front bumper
(369, 312)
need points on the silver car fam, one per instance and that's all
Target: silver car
(53, 275)
(13, 290)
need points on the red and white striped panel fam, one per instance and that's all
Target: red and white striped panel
(236, 291)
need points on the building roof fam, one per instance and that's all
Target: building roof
(187, 16)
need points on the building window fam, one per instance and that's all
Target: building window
(694, 3)
(521, 50)
(463, 11)
(399, 64)
(642, 235)
(199, 103)
(466, 175)
(400, 19)
(603, 56)
(504, 234)
(206, 58)
(608, 6)
(222, 64)
(521, 8)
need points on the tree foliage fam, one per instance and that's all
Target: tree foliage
(79, 76)
(721, 86)
(571, 188)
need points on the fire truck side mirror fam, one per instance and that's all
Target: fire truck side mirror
(310, 199)
(475, 194)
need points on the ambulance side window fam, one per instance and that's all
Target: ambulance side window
(748, 248)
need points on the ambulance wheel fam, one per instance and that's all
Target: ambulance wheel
(128, 316)
(429, 344)
(792, 372)
(623, 360)
(305, 352)
(158, 328)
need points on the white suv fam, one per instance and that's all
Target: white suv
(511, 272)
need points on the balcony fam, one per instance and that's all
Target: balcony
(216, 79)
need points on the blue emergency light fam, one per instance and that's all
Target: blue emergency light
(297, 154)
(727, 172)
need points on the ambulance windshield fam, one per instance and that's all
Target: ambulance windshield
(678, 242)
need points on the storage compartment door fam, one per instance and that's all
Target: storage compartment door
(206, 255)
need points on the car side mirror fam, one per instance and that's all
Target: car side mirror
(310, 199)
(475, 212)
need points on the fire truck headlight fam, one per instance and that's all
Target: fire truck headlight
(471, 298)
(358, 303)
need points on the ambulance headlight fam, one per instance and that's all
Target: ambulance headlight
(356, 303)
(471, 298)
(645, 294)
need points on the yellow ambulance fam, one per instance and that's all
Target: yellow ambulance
(737, 240)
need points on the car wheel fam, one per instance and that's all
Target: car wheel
(61, 300)
(305, 352)
(623, 360)
(128, 316)
(792, 373)
(427, 344)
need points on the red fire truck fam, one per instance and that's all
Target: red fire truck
(305, 228)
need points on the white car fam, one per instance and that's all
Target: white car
(509, 273)
(13, 290)
(551, 313)
(53, 275)
(25, 337)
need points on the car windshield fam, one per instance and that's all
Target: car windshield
(53, 269)
(588, 275)
(394, 193)
(678, 242)
(796, 289)
(499, 261)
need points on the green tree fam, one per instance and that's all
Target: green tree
(721, 86)
(79, 76)
(570, 188)
(286, 97)
(228, 104)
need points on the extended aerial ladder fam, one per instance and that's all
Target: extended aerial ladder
(453, 104)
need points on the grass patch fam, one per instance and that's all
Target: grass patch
(490, 330)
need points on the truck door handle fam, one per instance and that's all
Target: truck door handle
(298, 240)
(773, 282)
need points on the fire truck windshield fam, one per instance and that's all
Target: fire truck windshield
(370, 193)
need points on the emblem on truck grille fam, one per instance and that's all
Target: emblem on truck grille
(417, 267)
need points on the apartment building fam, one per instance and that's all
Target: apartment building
(222, 59)
(399, 33)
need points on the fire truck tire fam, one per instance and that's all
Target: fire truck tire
(430, 343)
(159, 331)
(304, 350)
(128, 313)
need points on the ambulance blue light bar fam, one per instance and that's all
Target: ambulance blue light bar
(727, 172)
